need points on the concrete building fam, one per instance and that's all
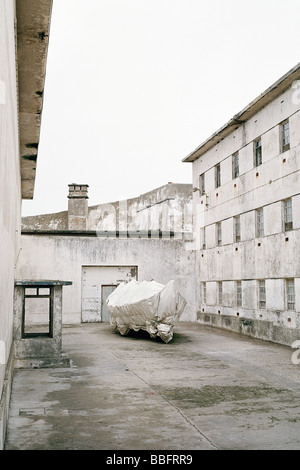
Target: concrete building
(233, 247)
(246, 180)
(147, 237)
(24, 31)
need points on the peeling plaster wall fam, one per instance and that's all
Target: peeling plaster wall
(10, 192)
(62, 258)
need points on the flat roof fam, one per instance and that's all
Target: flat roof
(32, 30)
(275, 90)
(42, 283)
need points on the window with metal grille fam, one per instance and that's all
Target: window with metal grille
(218, 175)
(239, 298)
(290, 293)
(262, 294)
(237, 229)
(288, 215)
(219, 233)
(220, 293)
(203, 236)
(257, 152)
(202, 184)
(260, 222)
(285, 136)
(235, 166)
(204, 292)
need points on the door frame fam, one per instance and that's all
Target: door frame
(105, 285)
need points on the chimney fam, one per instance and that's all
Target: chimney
(77, 206)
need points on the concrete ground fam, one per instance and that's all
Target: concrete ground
(207, 389)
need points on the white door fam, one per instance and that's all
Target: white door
(93, 278)
(106, 290)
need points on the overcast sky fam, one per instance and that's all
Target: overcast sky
(133, 86)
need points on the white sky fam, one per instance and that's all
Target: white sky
(133, 86)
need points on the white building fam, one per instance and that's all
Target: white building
(24, 30)
(247, 217)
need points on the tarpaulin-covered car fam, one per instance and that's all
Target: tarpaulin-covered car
(146, 305)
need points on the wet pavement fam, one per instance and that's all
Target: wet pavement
(205, 390)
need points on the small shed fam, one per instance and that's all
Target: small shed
(38, 324)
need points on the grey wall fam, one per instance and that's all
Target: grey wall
(63, 257)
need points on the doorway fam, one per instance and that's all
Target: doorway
(105, 292)
(93, 309)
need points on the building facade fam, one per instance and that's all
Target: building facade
(246, 180)
(24, 31)
(97, 247)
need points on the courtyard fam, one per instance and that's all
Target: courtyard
(207, 389)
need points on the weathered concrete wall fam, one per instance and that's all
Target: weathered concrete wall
(10, 197)
(39, 351)
(168, 208)
(63, 257)
(273, 256)
(261, 329)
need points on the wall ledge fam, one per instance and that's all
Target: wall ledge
(259, 329)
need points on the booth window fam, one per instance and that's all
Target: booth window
(37, 314)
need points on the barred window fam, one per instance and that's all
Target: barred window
(262, 294)
(260, 222)
(204, 292)
(285, 136)
(202, 184)
(237, 229)
(290, 292)
(288, 215)
(257, 152)
(239, 299)
(219, 233)
(220, 293)
(235, 166)
(218, 175)
(203, 236)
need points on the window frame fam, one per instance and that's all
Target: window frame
(259, 219)
(203, 238)
(239, 294)
(204, 292)
(285, 137)
(219, 233)
(218, 175)
(290, 301)
(257, 152)
(237, 228)
(235, 165)
(262, 296)
(288, 215)
(38, 294)
(220, 292)
(202, 184)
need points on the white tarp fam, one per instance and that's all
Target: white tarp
(146, 305)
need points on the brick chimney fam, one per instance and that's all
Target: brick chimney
(77, 206)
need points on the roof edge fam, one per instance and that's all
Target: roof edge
(246, 113)
(32, 38)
